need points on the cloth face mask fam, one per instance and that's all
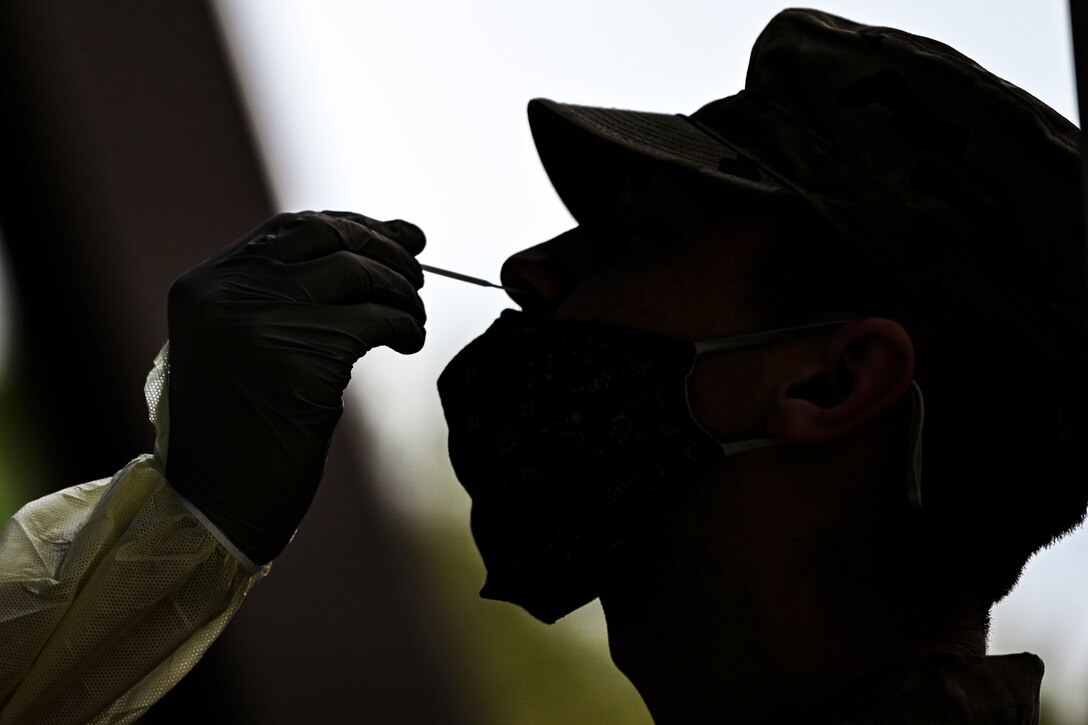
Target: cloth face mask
(570, 438)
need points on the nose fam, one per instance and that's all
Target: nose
(539, 278)
(533, 278)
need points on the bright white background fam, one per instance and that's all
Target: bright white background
(416, 110)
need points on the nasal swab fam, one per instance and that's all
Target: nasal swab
(462, 277)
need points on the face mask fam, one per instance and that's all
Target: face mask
(571, 438)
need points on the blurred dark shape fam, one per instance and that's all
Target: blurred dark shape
(1078, 20)
(127, 159)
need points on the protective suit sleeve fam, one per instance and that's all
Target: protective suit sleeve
(111, 591)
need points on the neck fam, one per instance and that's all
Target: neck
(700, 654)
(719, 613)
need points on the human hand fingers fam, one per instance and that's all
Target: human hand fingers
(348, 278)
(404, 233)
(369, 325)
(309, 235)
(391, 327)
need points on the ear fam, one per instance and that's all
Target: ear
(865, 371)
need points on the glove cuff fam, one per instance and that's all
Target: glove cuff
(157, 394)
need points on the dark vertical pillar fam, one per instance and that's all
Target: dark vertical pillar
(1078, 21)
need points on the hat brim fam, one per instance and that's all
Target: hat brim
(589, 152)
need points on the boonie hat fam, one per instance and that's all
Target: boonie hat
(953, 181)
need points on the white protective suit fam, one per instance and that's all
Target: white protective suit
(111, 591)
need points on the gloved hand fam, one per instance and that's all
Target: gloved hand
(263, 337)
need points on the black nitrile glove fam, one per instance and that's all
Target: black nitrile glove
(263, 337)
